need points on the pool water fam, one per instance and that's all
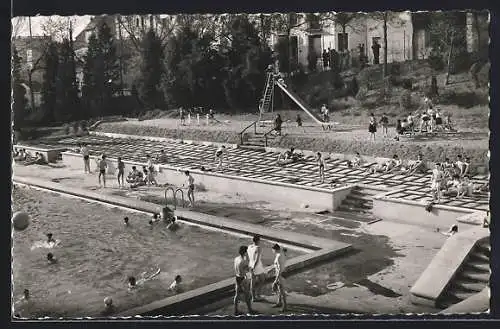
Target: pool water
(96, 253)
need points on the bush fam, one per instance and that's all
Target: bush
(466, 99)
(406, 102)
(395, 69)
(362, 93)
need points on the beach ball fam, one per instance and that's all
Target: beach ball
(21, 220)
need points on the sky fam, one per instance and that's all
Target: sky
(79, 23)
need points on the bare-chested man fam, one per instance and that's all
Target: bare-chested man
(241, 285)
(257, 270)
(279, 282)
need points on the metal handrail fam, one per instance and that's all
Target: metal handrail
(265, 136)
(254, 124)
(182, 196)
(173, 194)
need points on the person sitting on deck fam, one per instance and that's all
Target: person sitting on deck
(466, 187)
(355, 162)
(417, 166)
(439, 119)
(425, 122)
(39, 160)
(451, 187)
(135, 178)
(467, 167)
(448, 168)
(485, 187)
(453, 230)
(20, 155)
(162, 157)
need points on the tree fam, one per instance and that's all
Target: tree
(101, 72)
(18, 90)
(51, 65)
(152, 71)
(92, 77)
(66, 89)
(446, 35)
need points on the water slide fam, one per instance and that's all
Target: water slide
(315, 116)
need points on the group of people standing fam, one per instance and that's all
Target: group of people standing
(250, 275)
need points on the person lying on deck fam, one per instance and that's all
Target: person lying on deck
(387, 166)
(288, 156)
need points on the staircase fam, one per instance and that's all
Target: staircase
(472, 278)
(359, 201)
(257, 142)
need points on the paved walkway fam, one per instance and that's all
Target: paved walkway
(262, 165)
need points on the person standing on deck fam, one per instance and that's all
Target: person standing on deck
(190, 186)
(278, 285)
(372, 127)
(103, 165)
(121, 172)
(219, 156)
(321, 166)
(182, 116)
(241, 284)
(84, 150)
(257, 270)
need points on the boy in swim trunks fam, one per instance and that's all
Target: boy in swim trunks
(175, 286)
(219, 155)
(436, 182)
(257, 270)
(279, 282)
(86, 158)
(190, 186)
(121, 172)
(321, 166)
(241, 284)
(51, 259)
(103, 165)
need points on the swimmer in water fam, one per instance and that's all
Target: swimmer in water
(25, 297)
(173, 226)
(50, 238)
(125, 221)
(51, 259)
(109, 308)
(156, 217)
(167, 214)
(134, 283)
(175, 286)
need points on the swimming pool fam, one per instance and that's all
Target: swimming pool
(97, 253)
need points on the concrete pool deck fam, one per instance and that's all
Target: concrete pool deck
(322, 249)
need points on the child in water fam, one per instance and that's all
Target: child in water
(173, 226)
(50, 238)
(125, 221)
(51, 259)
(175, 286)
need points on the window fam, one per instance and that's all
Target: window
(137, 22)
(294, 20)
(343, 41)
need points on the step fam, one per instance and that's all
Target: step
(460, 295)
(253, 147)
(475, 276)
(463, 284)
(360, 199)
(363, 195)
(365, 191)
(484, 247)
(475, 255)
(351, 209)
(480, 266)
(357, 204)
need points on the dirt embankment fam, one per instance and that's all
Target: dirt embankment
(382, 148)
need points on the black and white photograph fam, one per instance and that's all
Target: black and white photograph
(250, 164)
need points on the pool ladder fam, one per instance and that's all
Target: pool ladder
(174, 194)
